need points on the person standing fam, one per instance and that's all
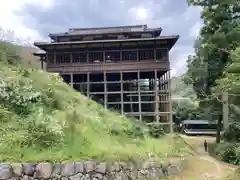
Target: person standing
(206, 146)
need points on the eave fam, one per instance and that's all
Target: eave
(171, 40)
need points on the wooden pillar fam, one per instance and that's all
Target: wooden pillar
(139, 97)
(105, 90)
(87, 54)
(71, 58)
(54, 57)
(225, 110)
(120, 54)
(41, 59)
(122, 104)
(138, 55)
(164, 97)
(88, 84)
(170, 102)
(130, 88)
(71, 80)
(156, 96)
(104, 56)
(155, 54)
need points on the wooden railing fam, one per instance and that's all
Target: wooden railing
(111, 66)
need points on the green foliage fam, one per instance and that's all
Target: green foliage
(182, 89)
(215, 67)
(185, 105)
(219, 34)
(230, 80)
(229, 152)
(185, 109)
(42, 118)
(9, 53)
(232, 134)
(156, 130)
(229, 149)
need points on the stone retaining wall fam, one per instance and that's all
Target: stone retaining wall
(87, 170)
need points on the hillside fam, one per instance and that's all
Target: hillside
(42, 118)
(27, 53)
(180, 89)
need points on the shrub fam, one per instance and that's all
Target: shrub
(9, 53)
(229, 152)
(156, 130)
(232, 134)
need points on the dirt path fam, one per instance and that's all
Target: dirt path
(203, 166)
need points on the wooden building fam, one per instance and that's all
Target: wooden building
(126, 68)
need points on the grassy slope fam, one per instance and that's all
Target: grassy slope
(41, 118)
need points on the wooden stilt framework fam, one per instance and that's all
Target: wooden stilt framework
(125, 68)
(149, 100)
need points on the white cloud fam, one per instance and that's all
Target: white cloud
(178, 58)
(179, 66)
(10, 21)
(140, 13)
(195, 29)
(183, 20)
(192, 11)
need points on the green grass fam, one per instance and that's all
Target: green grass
(44, 119)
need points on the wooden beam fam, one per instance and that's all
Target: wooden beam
(170, 102)
(105, 90)
(156, 96)
(121, 81)
(139, 98)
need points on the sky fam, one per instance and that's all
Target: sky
(26, 21)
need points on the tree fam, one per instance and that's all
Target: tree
(185, 109)
(219, 35)
(9, 53)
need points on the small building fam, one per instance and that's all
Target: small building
(198, 127)
(125, 68)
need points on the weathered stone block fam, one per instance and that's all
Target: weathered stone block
(78, 176)
(98, 176)
(29, 169)
(79, 167)
(113, 167)
(44, 170)
(17, 169)
(68, 169)
(6, 171)
(25, 177)
(101, 168)
(123, 165)
(89, 166)
(56, 172)
(64, 178)
(156, 173)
